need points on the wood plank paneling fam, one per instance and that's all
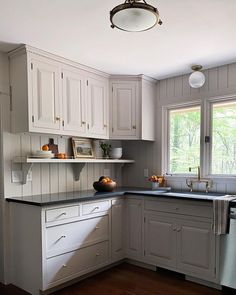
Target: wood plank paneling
(47, 178)
(219, 81)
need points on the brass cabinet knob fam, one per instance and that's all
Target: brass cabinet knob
(105, 126)
(57, 118)
(134, 126)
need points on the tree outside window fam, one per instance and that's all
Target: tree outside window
(184, 139)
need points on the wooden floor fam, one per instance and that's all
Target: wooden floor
(127, 279)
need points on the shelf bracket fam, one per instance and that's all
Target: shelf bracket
(77, 168)
(118, 168)
(26, 167)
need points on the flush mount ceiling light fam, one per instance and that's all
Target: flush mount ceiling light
(197, 78)
(134, 16)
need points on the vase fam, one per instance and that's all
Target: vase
(105, 154)
(155, 185)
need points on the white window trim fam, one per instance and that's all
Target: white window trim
(165, 134)
(206, 130)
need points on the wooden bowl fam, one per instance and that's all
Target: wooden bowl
(104, 187)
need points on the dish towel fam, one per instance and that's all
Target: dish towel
(221, 214)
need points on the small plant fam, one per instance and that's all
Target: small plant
(106, 147)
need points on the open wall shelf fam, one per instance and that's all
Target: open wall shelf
(78, 164)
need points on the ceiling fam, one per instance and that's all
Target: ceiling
(193, 32)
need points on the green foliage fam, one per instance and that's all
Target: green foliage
(224, 138)
(184, 139)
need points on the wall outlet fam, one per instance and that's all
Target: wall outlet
(145, 172)
(106, 172)
(16, 176)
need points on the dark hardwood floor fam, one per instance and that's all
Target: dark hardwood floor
(127, 279)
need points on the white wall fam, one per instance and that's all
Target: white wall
(219, 81)
(4, 104)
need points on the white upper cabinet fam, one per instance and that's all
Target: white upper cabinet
(46, 94)
(125, 109)
(132, 108)
(97, 103)
(52, 95)
(74, 110)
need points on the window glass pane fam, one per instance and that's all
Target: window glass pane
(224, 138)
(184, 139)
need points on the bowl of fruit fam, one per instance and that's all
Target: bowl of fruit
(104, 184)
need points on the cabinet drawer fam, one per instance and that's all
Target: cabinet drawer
(180, 207)
(71, 236)
(95, 207)
(62, 213)
(66, 266)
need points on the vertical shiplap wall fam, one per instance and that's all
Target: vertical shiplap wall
(220, 81)
(47, 178)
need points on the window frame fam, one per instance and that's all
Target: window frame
(166, 134)
(209, 128)
(205, 130)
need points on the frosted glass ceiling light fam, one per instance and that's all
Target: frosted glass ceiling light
(134, 16)
(197, 78)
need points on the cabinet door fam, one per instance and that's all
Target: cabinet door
(160, 240)
(74, 112)
(97, 111)
(117, 229)
(46, 94)
(196, 248)
(124, 110)
(134, 229)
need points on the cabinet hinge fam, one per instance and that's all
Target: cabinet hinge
(87, 82)
(144, 252)
(215, 270)
(112, 89)
(63, 123)
(112, 129)
(33, 119)
(32, 66)
(144, 219)
(10, 98)
(62, 76)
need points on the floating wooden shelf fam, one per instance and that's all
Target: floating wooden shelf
(79, 164)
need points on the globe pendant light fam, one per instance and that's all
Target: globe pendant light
(197, 78)
(134, 16)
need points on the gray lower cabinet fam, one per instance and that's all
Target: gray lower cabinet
(117, 229)
(182, 243)
(134, 229)
(196, 248)
(160, 240)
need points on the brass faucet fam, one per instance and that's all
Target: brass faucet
(198, 171)
(191, 181)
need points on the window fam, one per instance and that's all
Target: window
(223, 149)
(184, 133)
(184, 138)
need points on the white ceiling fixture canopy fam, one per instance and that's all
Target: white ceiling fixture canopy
(134, 16)
(197, 78)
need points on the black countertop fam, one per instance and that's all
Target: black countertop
(91, 195)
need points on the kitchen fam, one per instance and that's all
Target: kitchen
(134, 115)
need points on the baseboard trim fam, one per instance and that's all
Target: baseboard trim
(203, 282)
(141, 264)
